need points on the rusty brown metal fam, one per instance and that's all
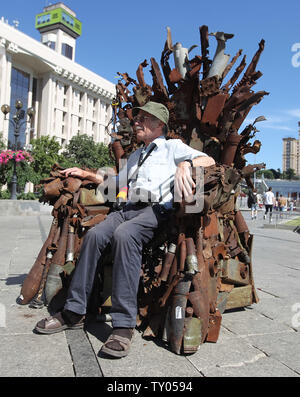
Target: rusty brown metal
(118, 152)
(32, 281)
(230, 148)
(158, 87)
(214, 107)
(204, 49)
(177, 313)
(214, 327)
(169, 258)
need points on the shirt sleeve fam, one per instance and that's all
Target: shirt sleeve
(184, 152)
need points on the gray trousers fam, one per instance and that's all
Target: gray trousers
(127, 230)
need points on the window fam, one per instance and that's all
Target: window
(94, 107)
(67, 50)
(66, 87)
(43, 19)
(19, 90)
(50, 44)
(68, 19)
(81, 101)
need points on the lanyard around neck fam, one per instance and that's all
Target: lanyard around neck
(141, 162)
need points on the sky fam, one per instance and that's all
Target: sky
(118, 35)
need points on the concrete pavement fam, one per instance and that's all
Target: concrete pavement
(261, 340)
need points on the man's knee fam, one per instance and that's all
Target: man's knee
(124, 233)
(94, 236)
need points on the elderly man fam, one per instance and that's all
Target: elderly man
(154, 169)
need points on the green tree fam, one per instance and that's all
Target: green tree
(83, 152)
(290, 173)
(268, 174)
(277, 174)
(45, 151)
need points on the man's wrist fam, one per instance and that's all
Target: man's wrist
(189, 161)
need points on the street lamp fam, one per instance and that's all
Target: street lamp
(17, 123)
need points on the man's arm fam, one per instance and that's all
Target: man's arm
(183, 180)
(83, 174)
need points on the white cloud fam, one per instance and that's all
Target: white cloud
(278, 127)
(294, 112)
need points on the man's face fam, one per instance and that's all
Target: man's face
(146, 127)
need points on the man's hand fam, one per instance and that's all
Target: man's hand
(79, 173)
(183, 182)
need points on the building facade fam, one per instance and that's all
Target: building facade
(68, 98)
(291, 154)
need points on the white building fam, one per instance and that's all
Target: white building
(68, 98)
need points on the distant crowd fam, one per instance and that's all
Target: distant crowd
(268, 199)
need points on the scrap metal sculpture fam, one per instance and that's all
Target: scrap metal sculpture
(198, 264)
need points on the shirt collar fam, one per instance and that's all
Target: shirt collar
(160, 140)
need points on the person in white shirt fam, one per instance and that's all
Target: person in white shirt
(154, 169)
(269, 201)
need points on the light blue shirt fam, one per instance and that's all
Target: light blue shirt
(156, 174)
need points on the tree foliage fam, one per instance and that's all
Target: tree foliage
(83, 152)
(45, 151)
(289, 174)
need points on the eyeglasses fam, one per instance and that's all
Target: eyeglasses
(141, 119)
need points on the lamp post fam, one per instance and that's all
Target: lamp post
(17, 123)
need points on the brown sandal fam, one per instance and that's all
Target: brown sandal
(125, 343)
(56, 323)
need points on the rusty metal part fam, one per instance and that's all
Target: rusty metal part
(236, 75)
(169, 258)
(214, 326)
(191, 334)
(53, 189)
(182, 255)
(167, 51)
(204, 49)
(234, 272)
(33, 280)
(140, 73)
(54, 282)
(240, 223)
(230, 148)
(165, 297)
(232, 62)
(72, 185)
(213, 109)
(93, 220)
(118, 152)
(191, 258)
(158, 87)
(177, 313)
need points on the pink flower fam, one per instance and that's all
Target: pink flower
(17, 155)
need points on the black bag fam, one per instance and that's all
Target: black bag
(252, 199)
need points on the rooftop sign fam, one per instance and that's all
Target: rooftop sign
(58, 16)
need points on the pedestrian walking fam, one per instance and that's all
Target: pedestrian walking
(269, 201)
(282, 203)
(253, 203)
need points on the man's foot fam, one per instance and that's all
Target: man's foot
(264, 216)
(59, 322)
(119, 342)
